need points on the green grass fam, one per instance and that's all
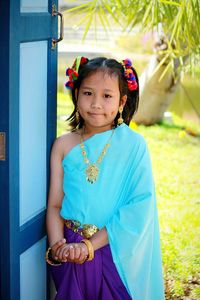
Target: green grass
(176, 165)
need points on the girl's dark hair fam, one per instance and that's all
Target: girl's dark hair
(111, 67)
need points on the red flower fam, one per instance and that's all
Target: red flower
(84, 60)
(69, 71)
(69, 85)
(132, 85)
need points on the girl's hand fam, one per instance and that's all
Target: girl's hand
(78, 252)
(73, 252)
(55, 248)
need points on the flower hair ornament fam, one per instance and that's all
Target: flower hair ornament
(129, 74)
(72, 72)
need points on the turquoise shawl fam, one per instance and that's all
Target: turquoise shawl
(122, 199)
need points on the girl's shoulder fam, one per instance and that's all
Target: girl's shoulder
(64, 143)
(133, 137)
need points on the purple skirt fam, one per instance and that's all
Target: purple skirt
(94, 280)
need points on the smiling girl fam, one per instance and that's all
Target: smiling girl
(102, 219)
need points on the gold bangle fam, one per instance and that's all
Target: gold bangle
(90, 249)
(49, 258)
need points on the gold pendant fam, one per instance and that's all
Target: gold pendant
(92, 173)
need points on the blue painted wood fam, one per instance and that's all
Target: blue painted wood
(36, 5)
(14, 240)
(34, 288)
(4, 165)
(33, 108)
(31, 232)
(51, 117)
(42, 25)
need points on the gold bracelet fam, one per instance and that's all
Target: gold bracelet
(90, 249)
(49, 258)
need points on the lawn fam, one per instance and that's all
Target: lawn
(176, 164)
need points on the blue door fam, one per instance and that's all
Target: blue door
(27, 129)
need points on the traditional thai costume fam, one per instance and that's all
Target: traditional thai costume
(122, 200)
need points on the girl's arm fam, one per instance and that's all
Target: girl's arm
(55, 225)
(99, 239)
(54, 222)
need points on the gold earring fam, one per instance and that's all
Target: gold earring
(120, 120)
(77, 116)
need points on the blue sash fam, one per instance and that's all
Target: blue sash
(122, 199)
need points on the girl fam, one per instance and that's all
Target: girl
(102, 219)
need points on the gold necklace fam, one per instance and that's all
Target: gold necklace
(92, 170)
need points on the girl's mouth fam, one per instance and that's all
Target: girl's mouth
(94, 114)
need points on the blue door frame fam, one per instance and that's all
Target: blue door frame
(15, 28)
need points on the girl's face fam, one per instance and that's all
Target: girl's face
(99, 100)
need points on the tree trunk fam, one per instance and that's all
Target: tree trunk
(155, 94)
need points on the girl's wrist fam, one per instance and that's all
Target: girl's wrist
(83, 245)
(94, 244)
(61, 240)
(99, 239)
(49, 258)
(89, 248)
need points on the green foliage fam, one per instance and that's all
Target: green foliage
(176, 161)
(177, 20)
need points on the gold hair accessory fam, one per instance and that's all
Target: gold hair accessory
(49, 258)
(92, 170)
(90, 249)
(120, 120)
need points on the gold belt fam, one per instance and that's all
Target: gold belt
(86, 230)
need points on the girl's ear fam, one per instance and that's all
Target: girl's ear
(123, 100)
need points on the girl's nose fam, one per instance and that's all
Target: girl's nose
(96, 104)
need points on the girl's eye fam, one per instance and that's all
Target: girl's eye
(87, 93)
(107, 96)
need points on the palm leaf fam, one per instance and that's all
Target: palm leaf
(170, 2)
(180, 19)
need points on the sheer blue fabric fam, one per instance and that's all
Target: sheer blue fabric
(122, 199)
